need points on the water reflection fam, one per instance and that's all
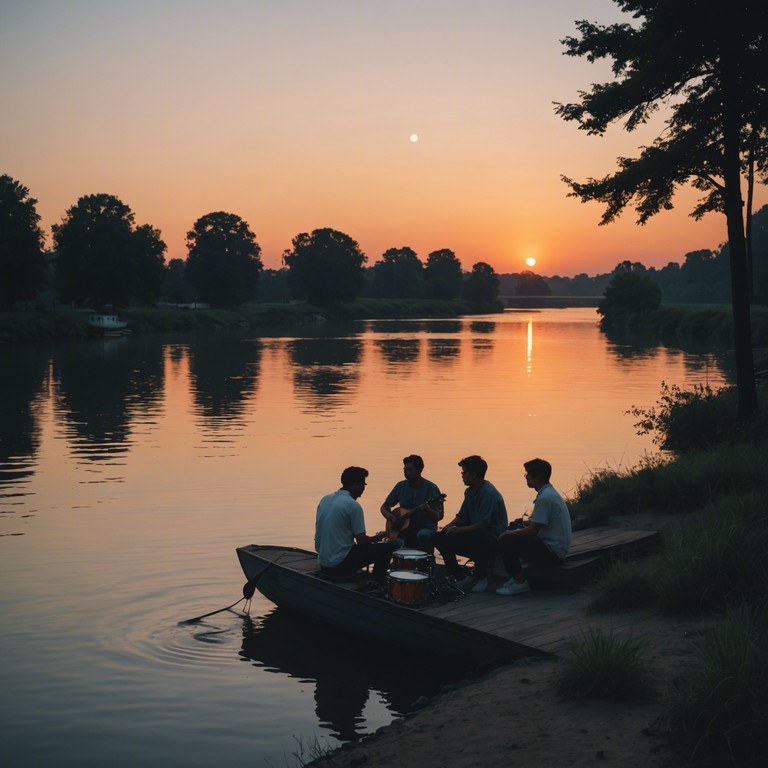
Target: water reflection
(346, 670)
(19, 427)
(224, 374)
(443, 351)
(99, 386)
(325, 371)
(398, 352)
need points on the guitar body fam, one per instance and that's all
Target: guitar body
(397, 526)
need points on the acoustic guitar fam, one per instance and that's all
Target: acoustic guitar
(403, 520)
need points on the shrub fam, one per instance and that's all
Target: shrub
(605, 666)
(624, 587)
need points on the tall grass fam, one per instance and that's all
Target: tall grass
(603, 665)
(722, 710)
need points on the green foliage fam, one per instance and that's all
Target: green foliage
(103, 259)
(443, 275)
(603, 665)
(717, 558)
(224, 260)
(689, 420)
(625, 586)
(628, 294)
(22, 264)
(482, 283)
(721, 710)
(324, 267)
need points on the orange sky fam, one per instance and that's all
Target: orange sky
(297, 114)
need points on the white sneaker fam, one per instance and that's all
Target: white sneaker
(513, 587)
(481, 586)
(465, 582)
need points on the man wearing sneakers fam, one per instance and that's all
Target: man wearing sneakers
(474, 530)
(545, 540)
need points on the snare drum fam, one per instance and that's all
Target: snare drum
(411, 560)
(408, 587)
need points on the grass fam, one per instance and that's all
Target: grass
(721, 712)
(624, 587)
(602, 665)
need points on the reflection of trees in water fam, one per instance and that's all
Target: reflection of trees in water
(324, 370)
(482, 326)
(443, 350)
(441, 326)
(345, 669)
(100, 385)
(224, 373)
(25, 371)
(399, 352)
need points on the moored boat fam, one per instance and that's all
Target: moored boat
(108, 325)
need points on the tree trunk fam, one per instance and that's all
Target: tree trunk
(742, 325)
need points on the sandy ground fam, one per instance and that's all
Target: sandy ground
(515, 716)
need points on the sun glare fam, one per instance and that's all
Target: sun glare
(530, 261)
(414, 137)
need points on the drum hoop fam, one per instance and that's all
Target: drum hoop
(408, 575)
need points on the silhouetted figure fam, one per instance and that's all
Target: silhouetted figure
(414, 507)
(474, 530)
(545, 540)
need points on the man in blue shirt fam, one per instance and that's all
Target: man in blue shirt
(414, 507)
(340, 540)
(545, 540)
(474, 530)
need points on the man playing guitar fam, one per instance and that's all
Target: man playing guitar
(413, 508)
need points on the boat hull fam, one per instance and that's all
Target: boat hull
(289, 578)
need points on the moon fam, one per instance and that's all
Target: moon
(414, 137)
(530, 261)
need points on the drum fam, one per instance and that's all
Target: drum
(408, 587)
(411, 560)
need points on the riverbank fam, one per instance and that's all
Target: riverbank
(54, 324)
(700, 612)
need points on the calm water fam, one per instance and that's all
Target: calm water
(130, 469)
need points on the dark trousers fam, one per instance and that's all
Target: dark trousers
(479, 546)
(530, 548)
(364, 554)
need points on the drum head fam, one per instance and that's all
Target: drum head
(408, 575)
(409, 553)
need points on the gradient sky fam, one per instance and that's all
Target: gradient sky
(297, 114)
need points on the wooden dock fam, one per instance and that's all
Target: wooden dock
(540, 622)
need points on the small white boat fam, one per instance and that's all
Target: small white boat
(108, 325)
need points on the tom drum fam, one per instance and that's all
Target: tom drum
(411, 560)
(408, 587)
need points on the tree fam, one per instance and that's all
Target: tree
(102, 258)
(630, 292)
(482, 283)
(324, 267)
(22, 263)
(442, 275)
(224, 261)
(706, 65)
(530, 284)
(398, 275)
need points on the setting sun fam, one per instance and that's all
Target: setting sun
(530, 261)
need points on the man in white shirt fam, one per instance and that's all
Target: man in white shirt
(547, 537)
(340, 540)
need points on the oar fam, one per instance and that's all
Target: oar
(212, 613)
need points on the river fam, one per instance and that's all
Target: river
(131, 468)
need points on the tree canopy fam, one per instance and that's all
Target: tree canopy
(102, 258)
(706, 65)
(530, 284)
(443, 275)
(399, 274)
(324, 267)
(22, 263)
(224, 262)
(482, 283)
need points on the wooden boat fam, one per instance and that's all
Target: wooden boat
(108, 325)
(483, 626)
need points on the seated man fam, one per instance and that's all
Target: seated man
(546, 539)
(340, 539)
(474, 530)
(414, 507)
